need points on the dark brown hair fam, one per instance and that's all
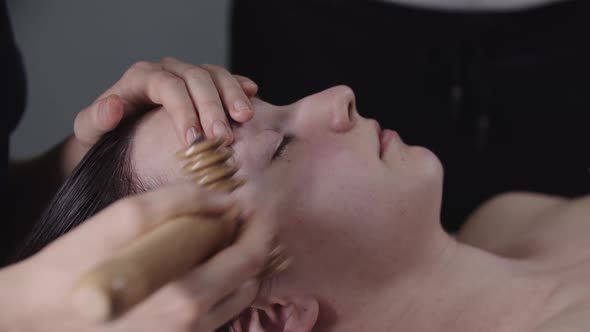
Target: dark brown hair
(103, 176)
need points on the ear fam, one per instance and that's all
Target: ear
(292, 315)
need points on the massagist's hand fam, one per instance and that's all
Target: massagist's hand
(195, 96)
(35, 294)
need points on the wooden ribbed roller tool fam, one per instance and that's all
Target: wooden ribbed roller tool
(170, 249)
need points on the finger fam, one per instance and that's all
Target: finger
(229, 308)
(128, 218)
(205, 96)
(97, 119)
(146, 83)
(170, 91)
(227, 270)
(231, 93)
(131, 86)
(249, 86)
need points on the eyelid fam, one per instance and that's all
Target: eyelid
(281, 148)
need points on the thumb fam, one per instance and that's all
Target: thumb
(97, 119)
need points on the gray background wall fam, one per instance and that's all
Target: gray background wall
(76, 49)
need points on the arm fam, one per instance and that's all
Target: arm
(37, 294)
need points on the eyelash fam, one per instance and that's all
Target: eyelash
(282, 147)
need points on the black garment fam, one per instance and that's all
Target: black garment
(12, 93)
(502, 98)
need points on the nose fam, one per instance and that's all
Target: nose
(342, 108)
(333, 109)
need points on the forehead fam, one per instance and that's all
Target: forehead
(154, 146)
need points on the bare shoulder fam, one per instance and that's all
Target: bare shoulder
(502, 220)
(551, 233)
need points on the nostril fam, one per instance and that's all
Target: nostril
(344, 116)
(350, 99)
(351, 107)
(343, 108)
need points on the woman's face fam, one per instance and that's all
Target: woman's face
(323, 173)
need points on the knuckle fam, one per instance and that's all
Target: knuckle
(133, 214)
(211, 67)
(255, 260)
(137, 67)
(196, 73)
(209, 104)
(187, 310)
(77, 121)
(168, 59)
(167, 80)
(244, 78)
(142, 65)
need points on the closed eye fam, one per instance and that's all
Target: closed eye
(280, 152)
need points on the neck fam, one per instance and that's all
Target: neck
(451, 287)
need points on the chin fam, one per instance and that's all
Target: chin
(428, 172)
(426, 162)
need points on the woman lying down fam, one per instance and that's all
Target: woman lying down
(359, 213)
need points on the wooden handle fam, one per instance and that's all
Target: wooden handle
(145, 265)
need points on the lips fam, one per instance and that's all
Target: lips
(387, 136)
(384, 137)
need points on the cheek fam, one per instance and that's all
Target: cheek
(339, 192)
(325, 226)
(342, 181)
(323, 201)
(334, 203)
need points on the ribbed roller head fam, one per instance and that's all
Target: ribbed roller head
(205, 159)
(214, 173)
(205, 162)
(198, 146)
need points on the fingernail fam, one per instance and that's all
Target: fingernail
(241, 106)
(219, 130)
(191, 135)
